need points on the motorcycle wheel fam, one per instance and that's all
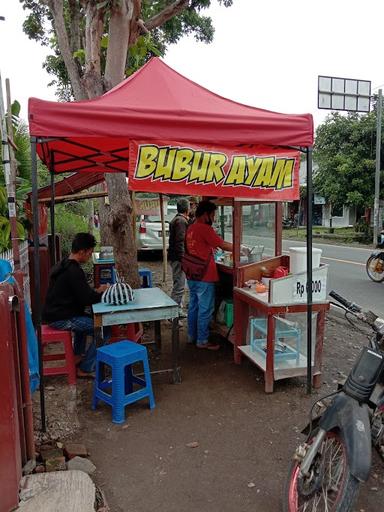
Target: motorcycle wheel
(377, 276)
(330, 486)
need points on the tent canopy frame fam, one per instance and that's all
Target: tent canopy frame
(207, 120)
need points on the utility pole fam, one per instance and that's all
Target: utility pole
(376, 208)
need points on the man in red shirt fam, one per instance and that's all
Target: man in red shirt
(201, 241)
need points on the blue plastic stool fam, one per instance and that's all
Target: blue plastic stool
(120, 357)
(146, 274)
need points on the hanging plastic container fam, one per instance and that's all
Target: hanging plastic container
(298, 259)
(228, 312)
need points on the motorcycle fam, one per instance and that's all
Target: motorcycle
(288, 222)
(329, 466)
(375, 266)
(375, 263)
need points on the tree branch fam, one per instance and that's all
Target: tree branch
(166, 14)
(134, 27)
(94, 27)
(56, 8)
(119, 35)
(74, 35)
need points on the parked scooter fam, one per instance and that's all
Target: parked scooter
(375, 266)
(336, 456)
(288, 222)
(375, 263)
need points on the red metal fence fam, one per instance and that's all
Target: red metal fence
(16, 424)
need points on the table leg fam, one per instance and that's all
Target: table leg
(176, 373)
(269, 371)
(158, 335)
(241, 311)
(98, 328)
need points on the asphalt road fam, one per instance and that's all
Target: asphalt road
(346, 274)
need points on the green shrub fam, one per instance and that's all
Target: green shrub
(67, 224)
(365, 230)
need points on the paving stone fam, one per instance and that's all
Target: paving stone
(75, 449)
(49, 452)
(81, 464)
(63, 491)
(55, 464)
(29, 467)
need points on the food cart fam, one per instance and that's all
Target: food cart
(182, 140)
(268, 327)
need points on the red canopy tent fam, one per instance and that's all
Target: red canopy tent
(155, 103)
(158, 104)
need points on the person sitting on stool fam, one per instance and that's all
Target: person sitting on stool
(67, 297)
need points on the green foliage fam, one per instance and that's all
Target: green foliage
(68, 223)
(5, 226)
(366, 231)
(23, 179)
(23, 157)
(140, 52)
(38, 25)
(345, 154)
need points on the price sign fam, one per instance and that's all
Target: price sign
(300, 288)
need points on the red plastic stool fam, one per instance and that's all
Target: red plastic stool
(50, 335)
(132, 332)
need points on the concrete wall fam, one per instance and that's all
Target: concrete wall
(347, 219)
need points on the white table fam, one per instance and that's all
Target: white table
(150, 305)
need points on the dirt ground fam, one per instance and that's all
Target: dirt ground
(214, 443)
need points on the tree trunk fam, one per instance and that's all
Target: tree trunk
(125, 26)
(120, 205)
(104, 210)
(91, 217)
(120, 225)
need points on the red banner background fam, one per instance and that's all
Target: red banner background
(257, 172)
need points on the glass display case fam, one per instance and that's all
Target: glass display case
(274, 336)
(255, 225)
(290, 341)
(258, 230)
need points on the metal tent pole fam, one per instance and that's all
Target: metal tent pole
(309, 270)
(163, 237)
(36, 255)
(52, 215)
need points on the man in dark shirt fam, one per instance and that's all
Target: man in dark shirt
(177, 229)
(67, 297)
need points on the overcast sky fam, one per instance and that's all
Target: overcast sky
(265, 53)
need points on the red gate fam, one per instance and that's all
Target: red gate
(16, 428)
(10, 446)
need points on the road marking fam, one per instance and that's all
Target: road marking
(314, 243)
(336, 246)
(339, 261)
(344, 261)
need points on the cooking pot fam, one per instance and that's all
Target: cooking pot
(280, 272)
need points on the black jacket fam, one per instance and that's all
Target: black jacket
(68, 292)
(177, 229)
